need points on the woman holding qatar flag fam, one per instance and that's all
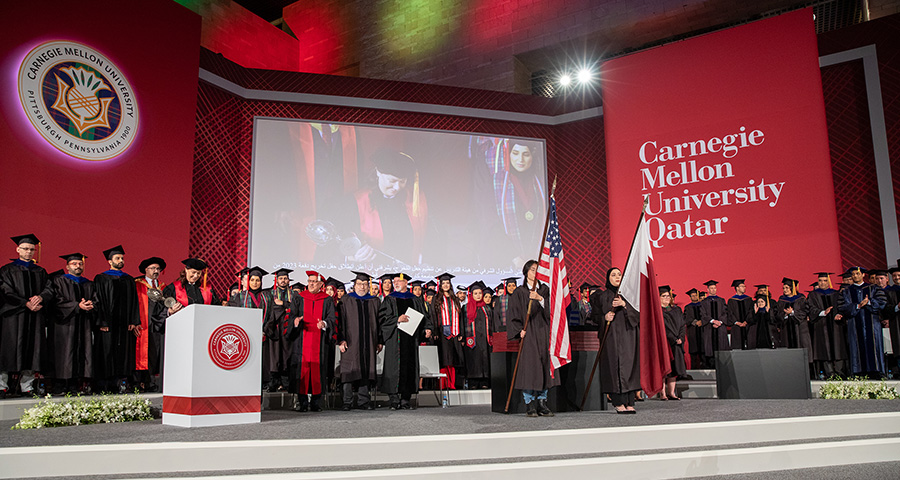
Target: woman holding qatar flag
(636, 355)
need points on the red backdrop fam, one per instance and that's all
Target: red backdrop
(139, 199)
(753, 197)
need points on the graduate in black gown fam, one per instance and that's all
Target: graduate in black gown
(148, 357)
(714, 317)
(535, 376)
(693, 330)
(828, 329)
(359, 339)
(675, 334)
(767, 333)
(446, 314)
(70, 331)
(26, 292)
(478, 338)
(891, 314)
(740, 317)
(400, 378)
(254, 297)
(791, 317)
(284, 307)
(190, 288)
(501, 303)
(861, 304)
(119, 324)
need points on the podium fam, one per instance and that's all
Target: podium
(213, 366)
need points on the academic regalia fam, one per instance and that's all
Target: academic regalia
(829, 336)
(400, 377)
(114, 350)
(186, 294)
(890, 313)
(477, 348)
(740, 309)
(449, 320)
(713, 307)
(23, 343)
(273, 326)
(864, 331)
(693, 333)
(308, 359)
(766, 332)
(675, 330)
(794, 327)
(361, 332)
(260, 299)
(149, 346)
(70, 331)
(535, 371)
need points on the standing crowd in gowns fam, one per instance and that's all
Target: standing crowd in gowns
(61, 332)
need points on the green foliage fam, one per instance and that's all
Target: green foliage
(83, 411)
(857, 388)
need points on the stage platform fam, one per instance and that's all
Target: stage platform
(690, 438)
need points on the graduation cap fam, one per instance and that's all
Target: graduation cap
(335, 283)
(394, 163)
(73, 256)
(846, 275)
(479, 285)
(386, 276)
(365, 277)
(762, 285)
(56, 273)
(709, 283)
(665, 288)
(416, 283)
(691, 291)
(258, 272)
(195, 263)
(736, 283)
(401, 276)
(117, 250)
(584, 286)
(893, 270)
(431, 284)
(879, 272)
(858, 269)
(242, 272)
(29, 238)
(489, 291)
(283, 272)
(151, 261)
(234, 286)
(814, 284)
(791, 283)
(298, 285)
(513, 280)
(313, 273)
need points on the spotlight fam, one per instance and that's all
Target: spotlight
(565, 80)
(585, 75)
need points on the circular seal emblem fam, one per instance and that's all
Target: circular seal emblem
(229, 346)
(78, 100)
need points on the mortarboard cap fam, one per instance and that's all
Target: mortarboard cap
(824, 274)
(334, 283)
(431, 284)
(282, 272)
(365, 277)
(444, 276)
(151, 261)
(814, 284)
(258, 272)
(735, 283)
(788, 281)
(665, 288)
(401, 276)
(879, 272)
(30, 238)
(117, 250)
(894, 270)
(234, 286)
(298, 285)
(56, 273)
(242, 272)
(416, 283)
(195, 263)
(762, 285)
(852, 269)
(691, 291)
(479, 285)
(846, 275)
(394, 163)
(488, 291)
(584, 286)
(710, 282)
(386, 276)
(511, 280)
(73, 256)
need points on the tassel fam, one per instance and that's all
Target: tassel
(38, 253)
(204, 278)
(416, 196)
(829, 282)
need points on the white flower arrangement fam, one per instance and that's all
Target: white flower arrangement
(82, 411)
(857, 388)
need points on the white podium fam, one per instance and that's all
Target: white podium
(212, 368)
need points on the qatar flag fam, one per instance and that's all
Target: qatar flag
(640, 290)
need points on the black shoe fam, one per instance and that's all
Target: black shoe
(346, 407)
(314, 407)
(543, 410)
(395, 406)
(2, 394)
(531, 409)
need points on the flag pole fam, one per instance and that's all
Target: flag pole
(533, 288)
(587, 388)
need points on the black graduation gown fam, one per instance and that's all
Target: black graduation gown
(499, 312)
(401, 351)
(450, 348)
(714, 339)
(740, 309)
(829, 336)
(620, 363)
(794, 327)
(23, 340)
(244, 299)
(114, 350)
(159, 312)
(70, 331)
(892, 295)
(279, 344)
(359, 329)
(534, 360)
(295, 336)
(766, 333)
(694, 334)
(675, 330)
(478, 356)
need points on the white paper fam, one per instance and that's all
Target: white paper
(415, 317)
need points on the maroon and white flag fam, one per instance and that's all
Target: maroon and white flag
(640, 290)
(552, 271)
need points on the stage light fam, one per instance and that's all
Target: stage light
(585, 75)
(565, 80)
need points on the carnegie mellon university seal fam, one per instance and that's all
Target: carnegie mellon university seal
(78, 100)
(229, 346)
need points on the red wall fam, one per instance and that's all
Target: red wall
(139, 199)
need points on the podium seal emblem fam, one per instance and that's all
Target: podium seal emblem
(229, 346)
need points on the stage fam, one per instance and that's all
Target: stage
(690, 438)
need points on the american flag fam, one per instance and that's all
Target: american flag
(552, 270)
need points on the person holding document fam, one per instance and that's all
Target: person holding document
(400, 378)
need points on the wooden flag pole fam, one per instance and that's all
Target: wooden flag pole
(587, 388)
(528, 311)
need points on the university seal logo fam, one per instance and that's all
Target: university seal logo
(229, 346)
(78, 100)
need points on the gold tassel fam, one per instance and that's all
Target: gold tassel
(204, 277)
(38, 253)
(829, 282)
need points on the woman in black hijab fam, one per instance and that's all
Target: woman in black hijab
(620, 371)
